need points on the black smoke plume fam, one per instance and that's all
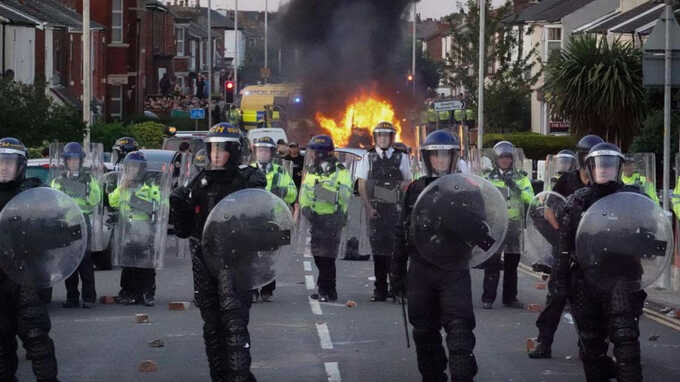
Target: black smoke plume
(343, 46)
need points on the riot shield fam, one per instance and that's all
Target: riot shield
(44, 237)
(246, 234)
(355, 235)
(81, 180)
(142, 199)
(519, 161)
(639, 169)
(326, 200)
(624, 237)
(542, 231)
(556, 166)
(459, 221)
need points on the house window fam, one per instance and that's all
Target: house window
(116, 102)
(553, 42)
(179, 36)
(192, 65)
(117, 21)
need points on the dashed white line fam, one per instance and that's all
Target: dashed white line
(309, 282)
(332, 371)
(308, 252)
(324, 336)
(316, 307)
(308, 266)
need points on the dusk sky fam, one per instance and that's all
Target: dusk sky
(426, 8)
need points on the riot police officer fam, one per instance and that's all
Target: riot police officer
(631, 177)
(516, 187)
(121, 148)
(84, 189)
(439, 292)
(280, 183)
(138, 285)
(600, 314)
(225, 309)
(22, 313)
(324, 198)
(383, 174)
(549, 318)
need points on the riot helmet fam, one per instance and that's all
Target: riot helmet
(321, 148)
(565, 161)
(134, 167)
(122, 147)
(383, 135)
(264, 149)
(200, 159)
(224, 145)
(440, 153)
(12, 160)
(583, 147)
(603, 163)
(504, 151)
(73, 154)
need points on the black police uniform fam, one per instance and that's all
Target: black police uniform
(385, 172)
(549, 319)
(298, 166)
(439, 295)
(23, 314)
(599, 315)
(224, 309)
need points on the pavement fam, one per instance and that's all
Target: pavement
(295, 339)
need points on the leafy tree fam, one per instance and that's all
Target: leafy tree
(597, 86)
(513, 73)
(27, 113)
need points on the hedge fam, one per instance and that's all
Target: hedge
(536, 146)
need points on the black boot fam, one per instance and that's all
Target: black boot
(70, 303)
(379, 295)
(542, 350)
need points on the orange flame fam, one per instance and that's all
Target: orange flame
(366, 111)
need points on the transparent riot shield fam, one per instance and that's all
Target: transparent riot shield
(355, 243)
(142, 199)
(639, 169)
(109, 182)
(459, 221)
(556, 166)
(624, 237)
(44, 237)
(325, 198)
(245, 236)
(385, 196)
(80, 178)
(542, 231)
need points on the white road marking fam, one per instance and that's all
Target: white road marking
(324, 336)
(332, 371)
(316, 307)
(308, 252)
(308, 266)
(309, 282)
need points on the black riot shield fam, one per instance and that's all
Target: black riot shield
(459, 220)
(44, 237)
(624, 237)
(247, 233)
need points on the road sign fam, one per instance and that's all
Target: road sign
(449, 105)
(197, 114)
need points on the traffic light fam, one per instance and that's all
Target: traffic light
(409, 77)
(229, 91)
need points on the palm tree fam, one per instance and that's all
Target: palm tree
(597, 86)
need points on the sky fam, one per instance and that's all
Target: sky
(426, 8)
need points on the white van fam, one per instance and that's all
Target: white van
(274, 133)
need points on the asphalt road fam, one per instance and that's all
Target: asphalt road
(295, 340)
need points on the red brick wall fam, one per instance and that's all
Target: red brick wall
(74, 84)
(434, 48)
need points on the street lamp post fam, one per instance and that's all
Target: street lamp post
(236, 55)
(87, 72)
(413, 53)
(480, 85)
(266, 39)
(210, 63)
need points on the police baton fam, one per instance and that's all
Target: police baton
(403, 311)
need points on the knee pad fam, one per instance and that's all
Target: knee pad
(426, 336)
(459, 336)
(463, 366)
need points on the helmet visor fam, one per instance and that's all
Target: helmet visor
(9, 167)
(605, 168)
(440, 162)
(263, 154)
